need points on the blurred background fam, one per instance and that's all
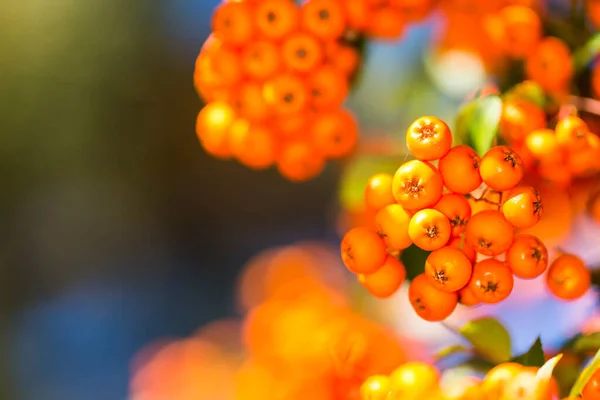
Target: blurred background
(118, 228)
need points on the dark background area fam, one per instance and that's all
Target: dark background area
(119, 229)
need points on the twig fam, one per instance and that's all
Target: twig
(586, 104)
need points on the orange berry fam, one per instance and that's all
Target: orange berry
(467, 298)
(568, 278)
(233, 23)
(550, 64)
(260, 59)
(591, 390)
(523, 207)
(249, 102)
(334, 133)
(375, 388)
(222, 65)
(293, 126)
(286, 93)
(501, 168)
(492, 281)
(457, 209)
(378, 192)
(302, 52)
(414, 10)
(212, 128)
(428, 138)
(430, 303)
(357, 13)
(386, 22)
(363, 251)
(571, 132)
(519, 118)
(522, 30)
(392, 223)
(344, 58)
(527, 257)
(298, 162)
(460, 169)
(429, 229)
(542, 143)
(489, 233)
(386, 280)
(276, 19)
(324, 18)
(328, 87)
(417, 185)
(414, 380)
(448, 269)
(259, 148)
(495, 380)
(468, 250)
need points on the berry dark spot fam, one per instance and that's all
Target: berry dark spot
(490, 287)
(432, 232)
(427, 131)
(419, 304)
(537, 207)
(412, 187)
(484, 244)
(301, 53)
(510, 158)
(288, 98)
(440, 276)
(537, 254)
(271, 16)
(316, 92)
(323, 14)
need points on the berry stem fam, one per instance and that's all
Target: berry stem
(586, 104)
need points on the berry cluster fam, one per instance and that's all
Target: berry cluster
(436, 209)
(275, 74)
(417, 380)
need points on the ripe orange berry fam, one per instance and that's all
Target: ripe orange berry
(324, 18)
(519, 118)
(460, 169)
(345, 58)
(259, 148)
(522, 30)
(249, 102)
(386, 280)
(357, 13)
(328, 87)
(495, 380)
(334, 133)
(260, 59)
(286, 93)
(298, 161)
(571, 132)
(492, 281)
(430, 303)
(542, 144)
(219, 66)
(392, 223)
(523, 207)
(378, 192)
(233, 23)
(414, 380)
(212, 128)
(527, 257)
(550, 64)
(363, 251)
(417, 185)
(276, 19)
(375, 388)
(466, 249)
(429, 229)
(501, 168)
(428, 138)
(457, 209)
(591, 390)
(414, 10)
(489, 233)
(448, 269)
(385, 22)
(302, 52)
(568, 278)
(467, 298)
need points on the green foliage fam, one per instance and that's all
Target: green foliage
(585, 376)
(478, 121)
(451, 350)
(413, 259)
(527, 91)
(587, 343)
(534, 357)
(587, 53)
(489, 338)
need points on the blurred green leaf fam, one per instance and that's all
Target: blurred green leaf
(534, 357)
(587, 53)
(585, 375)
(450, 350)
(527, 91)
(489, 338)
(587, 343)
(478, 121)
(413, 259)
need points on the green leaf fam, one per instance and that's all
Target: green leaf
(534, 357)
(489, 338)
(478, 121)
(413, 259)
(585, 375)
(451, 350)
(529, 91)
(587, 53)
(587, 343)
